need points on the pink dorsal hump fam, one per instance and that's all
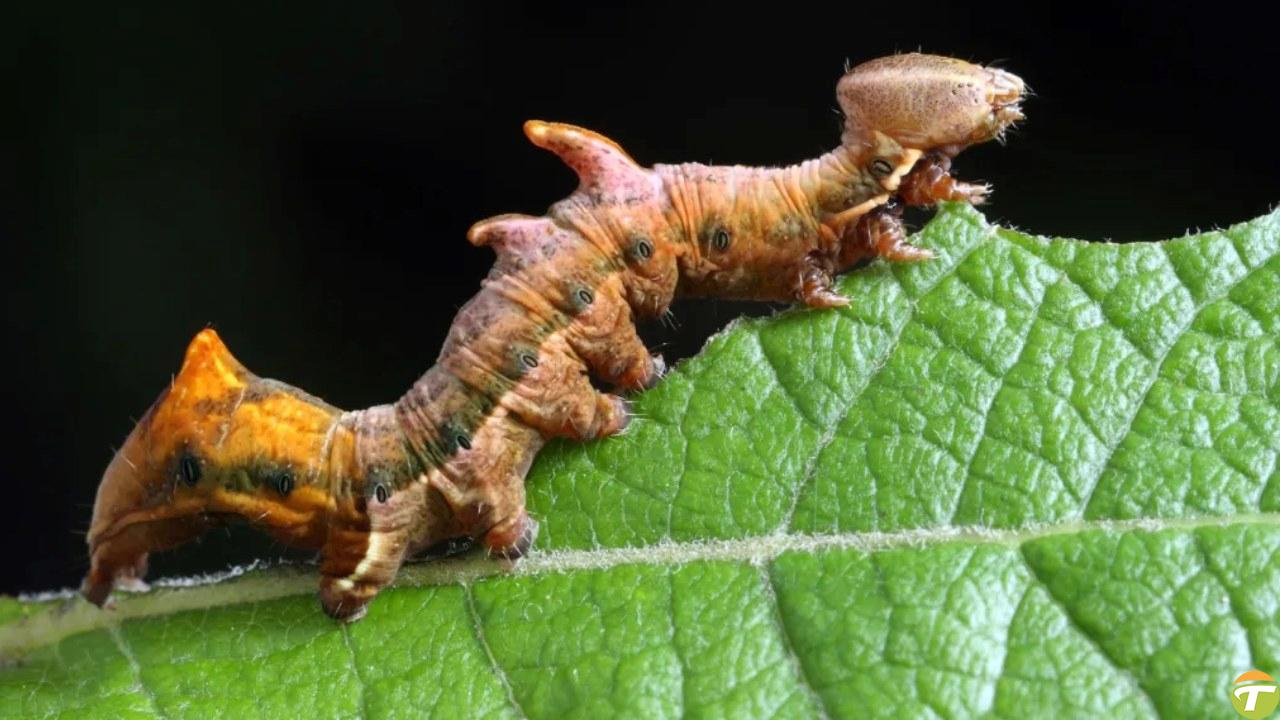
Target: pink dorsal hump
(512, 231)
(521, 240)
(605, 171)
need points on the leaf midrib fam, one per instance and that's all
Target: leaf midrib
(74, 615)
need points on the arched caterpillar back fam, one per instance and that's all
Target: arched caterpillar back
(448, 459)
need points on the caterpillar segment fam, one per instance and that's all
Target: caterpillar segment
(370, 488)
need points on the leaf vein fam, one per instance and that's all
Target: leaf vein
(362, 698)
(477, 626)
(784, 636)
(122, 644)
(1159, 366)
(284, 580)
(829, 435)
(1089, 637)
(985, 414)
(1255, 650)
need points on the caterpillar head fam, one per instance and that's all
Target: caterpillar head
(219, 443)
(928, 102)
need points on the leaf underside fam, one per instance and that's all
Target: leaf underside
(1028, 478)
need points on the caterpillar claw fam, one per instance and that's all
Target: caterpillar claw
(659, 369)
(619, 418)
(931, 182)
(511, 539)
(825, 298)
(642, 375)
(972, 193)
(816, 285)
(882, 233)
(343, 600)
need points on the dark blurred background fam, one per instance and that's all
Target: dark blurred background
(301, 177)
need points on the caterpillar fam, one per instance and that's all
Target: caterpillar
(447, 460)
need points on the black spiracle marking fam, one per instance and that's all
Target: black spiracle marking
(455, 434)
(641, 248)
(716, 236)
(189, 469)
(521, 360)
(721, 240)
(282, 481)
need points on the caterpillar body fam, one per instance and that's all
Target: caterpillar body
(372, 487)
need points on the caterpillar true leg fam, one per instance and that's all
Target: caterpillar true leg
(817, 285)
(880, 233)
(930, 181)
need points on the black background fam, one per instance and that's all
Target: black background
(301, 177)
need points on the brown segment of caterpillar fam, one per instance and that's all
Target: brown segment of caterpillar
(605, 336)
(370, 488)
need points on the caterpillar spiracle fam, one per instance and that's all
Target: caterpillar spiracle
(370, 487)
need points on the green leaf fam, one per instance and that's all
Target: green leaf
(1029, 478)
